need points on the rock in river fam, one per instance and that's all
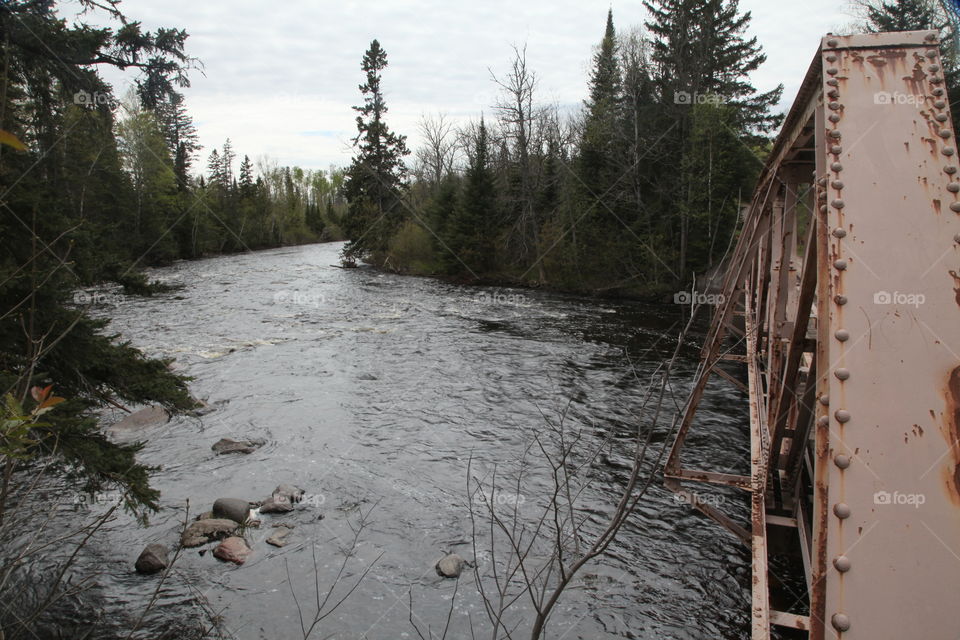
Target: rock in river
(450, 566)
(203, 531)
(277, 539)
(276, 504)
(288, 491)
(233, 549)
(153, 558)
(226, 445)
(232, 509)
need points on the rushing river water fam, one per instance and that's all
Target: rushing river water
(373, 392)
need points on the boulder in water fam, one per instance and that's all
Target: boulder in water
(226, 445)
(450, 566)
(152, 559)
(278, 538)
(233, 549)
(232, 509)
(204, 531)
(276, 504)
(291, 493)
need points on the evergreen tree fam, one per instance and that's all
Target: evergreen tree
(376, 179)
(469, 230)
(246, 177)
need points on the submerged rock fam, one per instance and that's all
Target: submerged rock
(226, 445)
(204, 531)
(233, 549)
(152, 559)
(278, 538)
(232, 509)
(151, 416)
(450, 566)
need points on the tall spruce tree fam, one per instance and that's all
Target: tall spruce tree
(469, 229)
(376, 180)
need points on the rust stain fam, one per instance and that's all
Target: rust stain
(937, 205)
(956, 289)
(952, 418)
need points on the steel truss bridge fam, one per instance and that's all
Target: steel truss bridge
(842, 301)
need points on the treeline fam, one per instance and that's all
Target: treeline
(637, 191)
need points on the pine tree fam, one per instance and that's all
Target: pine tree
(376, 179)
(904, 15)
(246, 177)
(470, 235)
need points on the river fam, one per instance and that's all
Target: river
(373, 392)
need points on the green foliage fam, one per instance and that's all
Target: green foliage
(376, 180)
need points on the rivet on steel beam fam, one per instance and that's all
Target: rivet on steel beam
(834, 118)
(841, 510)
(937, 91)
(837, 184)
(823, 208)
(833, 71)
(822, 181)
(953, 187)
(832, 57)
(836, 149)
(841, 564)
(842, 335)
(842, 416)
(940, 117)
(825, 400)
(835, 133)
(840, 621)
(936, 80)
(956, 238)
(840, 265)
(945, 133)
(950, 169)
(933, 68)
(836, 166)
(930, 37)
(839, 232)
(842, 461)
(842, 374)
(823, 421)
(837, 204)
(955, 207)
(840, 300)
(833, 93)
(939, 104)
(947, 151)
(833, 82)
(931, 53)
(832, 43)
(834, 106)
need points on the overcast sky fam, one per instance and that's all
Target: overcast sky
(279, 78)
